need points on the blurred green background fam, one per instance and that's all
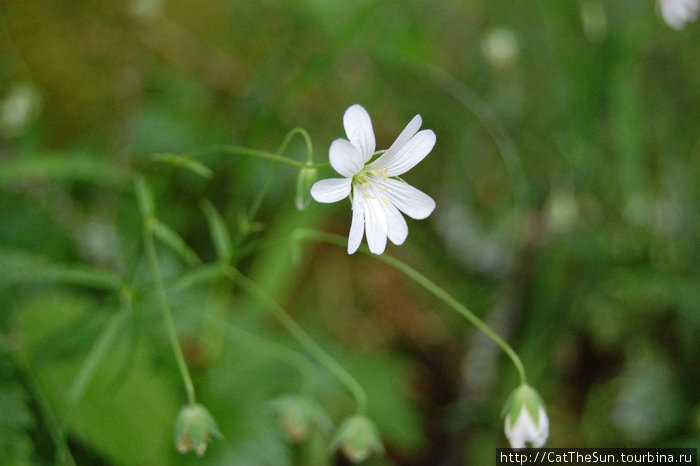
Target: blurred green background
(565, 173)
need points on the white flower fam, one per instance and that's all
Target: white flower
(526, 422)
(524, 430)
(376, 192)
(678, 12)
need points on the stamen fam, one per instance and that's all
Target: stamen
(368, 196)
(386, 201)
(386, 173)
(383, 189)
(365, 184)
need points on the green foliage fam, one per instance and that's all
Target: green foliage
(566, 180)
(16, 419)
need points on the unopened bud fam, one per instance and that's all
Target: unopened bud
(194, 429)
(358, 438)
(305, 178)
(526, 420)
(299, 415)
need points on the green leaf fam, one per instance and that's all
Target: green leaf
(16, 419)
(125, 417)
(174, 241)
(144, 198)
(187, 163)
(219, 232)
(201, 275)
(94, 357)
(60, 166)
(22, 267)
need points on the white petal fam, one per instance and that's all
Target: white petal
(331, 190)
(357, 227)
(409, 155)
(409, 200)
(525, 431)
(408, 132)
(542, 431)
(375, 226)
(358, 127)
(345, 158)
(397, 230)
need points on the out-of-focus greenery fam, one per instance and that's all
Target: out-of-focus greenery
(566, 176)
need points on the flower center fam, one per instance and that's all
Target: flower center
(371, 182)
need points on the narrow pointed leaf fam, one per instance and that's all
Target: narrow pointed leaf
(187, 163)
(173, 240)
(23, 267)
(219, 232)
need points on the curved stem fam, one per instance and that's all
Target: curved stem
(167, 313)
(300, 334)
(307, 140)
(307, 370)
(429, 285)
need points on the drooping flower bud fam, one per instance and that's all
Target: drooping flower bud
(194, 429)
(358, 438)
(298, 415)
(526, 420)
(305, 179)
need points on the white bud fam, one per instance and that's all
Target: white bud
(526, 422)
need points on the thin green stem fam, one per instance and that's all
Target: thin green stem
(307, 370)
(302, 337)
(165, 308)
(63, 453)
(89, 367)
(429, 285)
(307, 140)
(238, 150)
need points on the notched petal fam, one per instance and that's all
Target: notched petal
(408, 132)
(358, 127)
(411, 153)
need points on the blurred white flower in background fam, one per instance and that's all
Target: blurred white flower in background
(677, 13)
(146, 10)
(378, 194)
(18, 109)
(500, 47)
(594, 21)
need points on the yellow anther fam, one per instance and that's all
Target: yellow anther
(365, 184)
(374, 172)
(384, 189)
(386, 201)
(368, 196)
(386, 174)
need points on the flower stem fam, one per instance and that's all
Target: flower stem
(238, 150)
(300, 334)
(429, 285)
(303, 365)
(165, 308)
(52, 425)
(307, 140)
